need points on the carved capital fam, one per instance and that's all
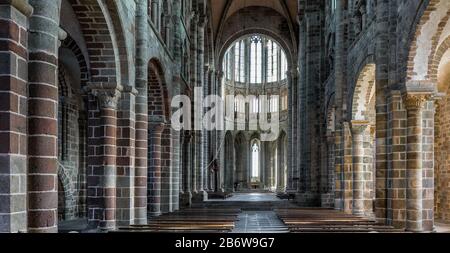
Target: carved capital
(415, 101)
(202, 21)
(359, 126)
(108, 99)
(156, 127)
(194, 17)
(108, 94)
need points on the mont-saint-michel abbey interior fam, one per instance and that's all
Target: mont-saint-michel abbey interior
(227, 116)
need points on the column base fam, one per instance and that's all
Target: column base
(185, 199)
(327, 200)
(200, 196)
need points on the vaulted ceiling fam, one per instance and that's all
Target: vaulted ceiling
(222, 9)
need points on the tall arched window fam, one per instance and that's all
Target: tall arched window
(239, 61)
(255, 59)
(272, 62)
(255, 161)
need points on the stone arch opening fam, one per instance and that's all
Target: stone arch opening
(442, 134)
(160, 140)
(72, 127)
(363, 130)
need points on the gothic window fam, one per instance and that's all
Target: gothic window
(333, 5)
(256, 59)
(284, 103)
(274, 104)
(254, 105)
(239, 61)
(255, 161)
(272, 64)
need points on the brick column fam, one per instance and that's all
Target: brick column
(186, 196)
(13, 114)
(358, 129)
(102, 168)
(141, 149)
(414, 206)
(154, 167)
(126, 135)
(396, 194)
(43, 117)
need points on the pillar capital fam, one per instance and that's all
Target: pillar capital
(415, 101)
(202, 21)
(156, 123)
(108, 94)
(194, 17)
(359, 126)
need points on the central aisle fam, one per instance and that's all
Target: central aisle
(259, 222)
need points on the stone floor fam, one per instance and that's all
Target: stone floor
(259, 222)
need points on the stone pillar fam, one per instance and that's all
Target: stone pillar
(154, 167)
(102, 169)
(155, 13)
(43, 117)
(13, 114)
(126, 136)
(141, 149)
(358, 129)
(414, 104)
(396, 194)
(220, 136)
(186, 196)
(292, 179)
(200, 194)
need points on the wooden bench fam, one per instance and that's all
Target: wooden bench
(329, 221)
(193, 220)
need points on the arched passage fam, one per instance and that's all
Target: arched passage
(442, 135)
(363, 141)
(159, 129)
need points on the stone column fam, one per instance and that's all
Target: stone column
(126, 153)
(43, 116)
(220, 136)
(414, 104)
(200, 194)
(140, 184)
(358, 129)
(186, 196)
(330, 162)
(292, 183)
(155, 13)
(102, 170)
(13, 114)
(156, 127)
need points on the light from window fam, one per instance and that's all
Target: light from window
(255, 161)
(256, 59)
